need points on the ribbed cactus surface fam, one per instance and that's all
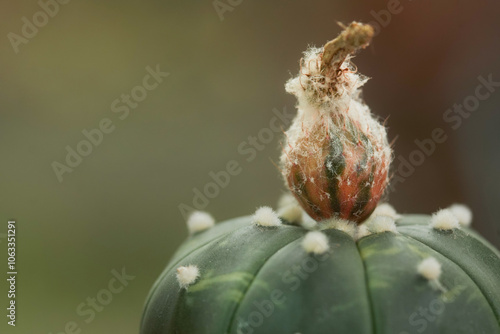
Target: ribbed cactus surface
(255, 279)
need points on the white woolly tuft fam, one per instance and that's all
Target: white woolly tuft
(430, 269)
(286, 200)
(341, 225)
(362, 232)
(315, 242)
(463, 214)
(444, 220)
(187, 275)
(307, 222)
(289, 209)
(199, 221)
(385, 209)
(379, 224)
(291, 213)
(265, 216)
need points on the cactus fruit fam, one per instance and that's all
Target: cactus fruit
(336, 158)
(331, 259)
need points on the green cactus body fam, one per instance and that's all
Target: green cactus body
(256, 279)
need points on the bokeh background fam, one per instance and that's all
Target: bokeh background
(119, 207)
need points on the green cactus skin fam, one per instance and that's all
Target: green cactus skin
(369, 286)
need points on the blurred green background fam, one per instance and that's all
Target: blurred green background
(119, 207)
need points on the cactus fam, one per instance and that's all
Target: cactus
(330, 259)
